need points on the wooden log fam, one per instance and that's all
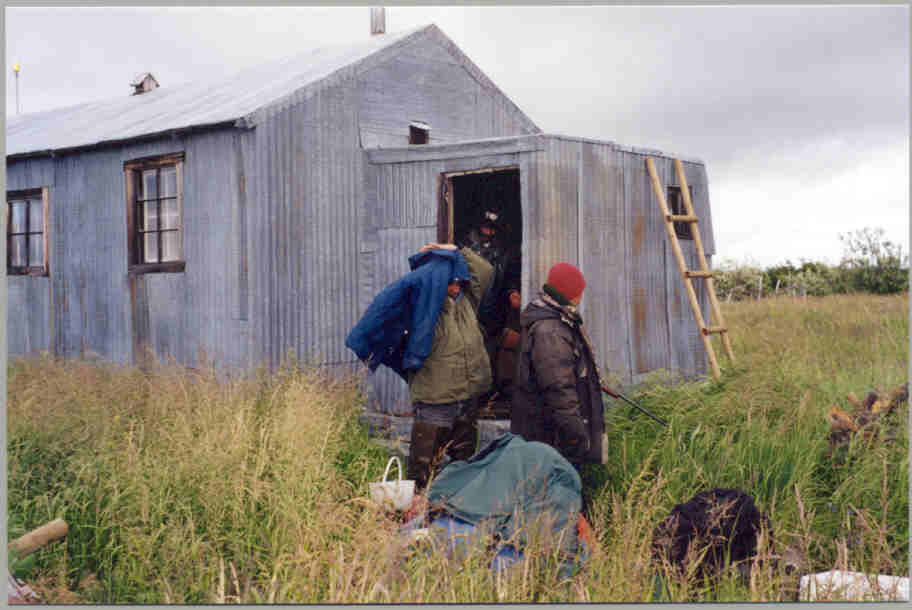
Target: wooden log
(700, 273)
(687, 218)
(39, 537)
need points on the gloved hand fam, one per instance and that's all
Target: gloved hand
(510, 339)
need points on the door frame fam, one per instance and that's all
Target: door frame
(445, 198)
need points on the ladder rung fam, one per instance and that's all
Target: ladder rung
(673, 218)
(699, 273)
(714, 329)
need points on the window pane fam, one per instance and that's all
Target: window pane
(36, 216)
(150, 216)
(150, 251)
(170, 218)
(171, 246)
(169, 181)
(18, 222)
(36, 250)
(149, 189)
(17, 251)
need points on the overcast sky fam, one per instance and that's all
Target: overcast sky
(801, 114)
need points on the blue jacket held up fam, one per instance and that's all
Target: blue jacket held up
(398, 327)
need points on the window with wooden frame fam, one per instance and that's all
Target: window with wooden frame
(676, 206)
(155, 214)
(26, 232)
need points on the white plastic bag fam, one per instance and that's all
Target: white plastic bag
(399, 493)
(853, 586)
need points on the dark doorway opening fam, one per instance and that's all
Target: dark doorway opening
(482, 209)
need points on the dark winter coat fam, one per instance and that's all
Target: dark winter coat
(399, 325)
(557, 395)
(458, 367)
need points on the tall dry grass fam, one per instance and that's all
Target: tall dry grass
(186, 487)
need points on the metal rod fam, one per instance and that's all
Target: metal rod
(614, 394)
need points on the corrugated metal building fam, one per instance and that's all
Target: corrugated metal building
(261, 214)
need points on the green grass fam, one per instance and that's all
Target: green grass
(183, 487)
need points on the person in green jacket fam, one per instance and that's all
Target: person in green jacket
(444, 391)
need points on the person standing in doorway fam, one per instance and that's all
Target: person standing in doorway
(488, 241)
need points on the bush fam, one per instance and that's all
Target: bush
(870, 264)
(736, 283)
(874, 264)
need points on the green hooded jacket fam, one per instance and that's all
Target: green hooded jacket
(458, 367)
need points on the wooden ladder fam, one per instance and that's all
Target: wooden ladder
(691, 218)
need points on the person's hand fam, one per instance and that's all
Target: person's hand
(435, 246)
(510, 339)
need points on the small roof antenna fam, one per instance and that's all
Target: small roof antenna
(16, 68)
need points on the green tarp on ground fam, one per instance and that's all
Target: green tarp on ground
(512, 482)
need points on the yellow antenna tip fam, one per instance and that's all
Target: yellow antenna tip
(15, 67)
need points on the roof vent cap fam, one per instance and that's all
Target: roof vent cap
(419, 132)
(143, 82)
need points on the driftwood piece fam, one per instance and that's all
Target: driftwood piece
(39, 537)
(844, 424)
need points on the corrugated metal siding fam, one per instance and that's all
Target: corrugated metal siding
(556, 222)
(29, 321)
(180, 315)
(30, 173)
(647, 267)
(29, 314)
(696, 174)
(278, 269)
(425, 81)
(88, 270)
(424, 84)
(304, 200)
(405, 219)
(190, 317)
(585, 202)
(603, 243)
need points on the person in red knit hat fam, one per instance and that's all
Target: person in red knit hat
(557, 398)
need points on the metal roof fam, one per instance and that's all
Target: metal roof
(195, 104)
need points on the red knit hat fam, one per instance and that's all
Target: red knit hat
(567, 280)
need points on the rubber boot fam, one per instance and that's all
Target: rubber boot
(426, 440)
(463, 439)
